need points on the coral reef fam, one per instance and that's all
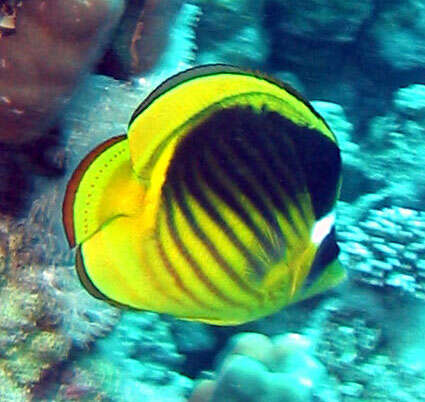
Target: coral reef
(386, 249)
(254, 367)
(141, 37)
(363, 341)
(238, 35)
(152, 33)
(179, 53)
(77, 315)
(35, 83)
(397, 33)
(395, 148)
(191, 337)
(321, 20)
(138, 359)
(363, 351)
(28, 346)
(44, 311)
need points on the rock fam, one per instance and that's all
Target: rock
(397, 32)
(34, 82)
(231, 32)
(321, 20)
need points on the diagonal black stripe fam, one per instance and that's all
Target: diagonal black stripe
(211, 180)
(171, 228)
(237, 168)
(186, 176)
(214, 175)
(261, 151)
(288, 158)
(242, 154)
(274, 155)
(174, 273)
(186, 254)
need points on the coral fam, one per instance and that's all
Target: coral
(367, 355)
(138, 358)
(180, 50)
(80, 385)
(141, 36)
(232, 32)
(10, 391)
(395, 148)
(44, 312)
(192, 337)
(27, 346)
(386, 249)
(42, 59)
(254, 367)
(152, 33)
(315, 39)
(384, 167)
(35, 83)
(397, 34)
(368, 338)
(320, 20)
(410, 102)
(76, 314)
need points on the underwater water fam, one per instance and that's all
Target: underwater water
(72, 75)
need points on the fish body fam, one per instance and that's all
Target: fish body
(216, 206)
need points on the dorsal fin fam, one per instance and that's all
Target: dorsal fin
(185, 100)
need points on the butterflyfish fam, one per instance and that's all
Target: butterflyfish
(216, 206)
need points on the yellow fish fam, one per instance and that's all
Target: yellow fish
(217, 206)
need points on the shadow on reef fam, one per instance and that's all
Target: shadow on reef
(20, 164)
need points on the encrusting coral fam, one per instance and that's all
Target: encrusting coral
(44, 313)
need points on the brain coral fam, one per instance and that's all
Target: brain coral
(257, 368)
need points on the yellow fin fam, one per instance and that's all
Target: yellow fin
(102, 187)
(332, 275)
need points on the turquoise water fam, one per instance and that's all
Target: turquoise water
(362, 67)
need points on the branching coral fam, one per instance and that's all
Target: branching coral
(386, 249)
(394, 149)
